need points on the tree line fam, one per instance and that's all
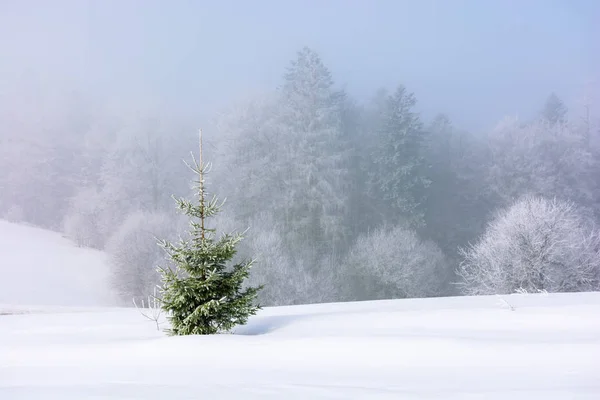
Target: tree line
(344, 199)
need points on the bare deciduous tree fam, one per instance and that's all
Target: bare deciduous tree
(535, 245)
(151, 309)
(395, 263)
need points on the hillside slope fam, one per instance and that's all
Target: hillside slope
(546, 347)
(39, 267)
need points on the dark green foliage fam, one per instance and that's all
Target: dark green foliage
(202, 294)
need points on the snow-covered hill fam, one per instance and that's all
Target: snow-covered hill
(548, 347)
(39, 267)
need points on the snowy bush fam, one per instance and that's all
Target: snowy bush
(135, 255)
(535, 245)
(394, 263)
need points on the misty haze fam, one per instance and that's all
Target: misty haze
(407, 199)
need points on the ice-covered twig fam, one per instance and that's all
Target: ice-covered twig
(154, 309)
(503, 301)
(543, 292)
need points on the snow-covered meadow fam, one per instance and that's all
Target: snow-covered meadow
(58, 340)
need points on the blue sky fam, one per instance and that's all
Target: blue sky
(475, 60)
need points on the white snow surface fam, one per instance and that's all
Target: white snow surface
(447, 348)
(40, 267)
(544, 347)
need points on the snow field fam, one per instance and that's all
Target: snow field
(548, 347)
(58, 340)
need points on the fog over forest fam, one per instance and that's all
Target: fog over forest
(373, 149)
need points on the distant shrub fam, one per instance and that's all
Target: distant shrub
(535, 245)
(135, 254)
(394, 263)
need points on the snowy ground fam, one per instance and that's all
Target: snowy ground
(42, 268)
(457, 348)
(548, 347)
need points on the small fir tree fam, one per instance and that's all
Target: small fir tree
(201, 294)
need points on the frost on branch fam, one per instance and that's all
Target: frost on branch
(536, 245)
(151, 310)
(540, 158)
(395, 263)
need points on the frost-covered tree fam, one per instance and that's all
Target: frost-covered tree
(586, 114)
(539, 158)
(289, 150)
(125, 164)
(455, 207)
(313, 157)
(554, 111)
(285, 278)
(398, 176)
(202, 293)
(83, 222)
(134, 254)
(361, 210)
(40, 140)
(394, 263)
(536, 244)
(140, 170)
(35, 166)
(275, 269)
(248, 168)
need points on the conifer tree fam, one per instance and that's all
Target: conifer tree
(398, 176)
(315, 155)
(202, 295)
(555, 111)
